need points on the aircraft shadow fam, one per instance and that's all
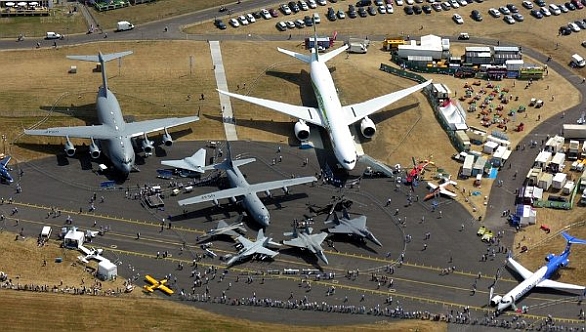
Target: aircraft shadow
(353, 240)
(86, 112)
(303, 81)
(307, 256)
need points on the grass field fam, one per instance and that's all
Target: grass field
(149, 85)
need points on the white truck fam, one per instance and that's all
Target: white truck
(124, 25)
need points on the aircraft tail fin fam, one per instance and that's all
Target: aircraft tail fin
(260, 235)
(101, 59)
(572, 240)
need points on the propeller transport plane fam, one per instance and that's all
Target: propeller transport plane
(253, 248)
(540, 278)
(113, 136)
(330, 114)
(240, 187)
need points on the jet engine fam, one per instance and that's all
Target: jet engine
(167, 139)
(147, 145)
(301, 130)
(495, 300)
(94, 150)
(69, 148)
(367, 127)
(549, 257)
(565, 263)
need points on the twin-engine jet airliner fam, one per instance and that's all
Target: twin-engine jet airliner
(330, 114)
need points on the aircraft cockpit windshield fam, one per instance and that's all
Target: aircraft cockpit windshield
(349, 162)
(505, 300)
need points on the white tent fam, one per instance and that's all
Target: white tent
(107, 270)
(526, 214)
(73, 239)
(9, 4)
(453, 114)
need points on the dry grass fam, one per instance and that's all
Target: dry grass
(150, 83)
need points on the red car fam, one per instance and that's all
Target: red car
(273, 12)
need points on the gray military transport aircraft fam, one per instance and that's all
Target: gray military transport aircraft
(240, 187)
(113, 136)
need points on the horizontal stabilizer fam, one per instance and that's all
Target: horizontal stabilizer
(96, 58)
(332, 54)
(303, 57)
(573, 240)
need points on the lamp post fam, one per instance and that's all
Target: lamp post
(4, 143)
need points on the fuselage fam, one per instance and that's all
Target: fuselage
(118, 148)
(544, 272)
(251, 201)
(331, 114)
(5, 175)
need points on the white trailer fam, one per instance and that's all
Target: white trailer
(545, 181)
(468, 164)
(557, 162)
(573, 150)
(559, 180)
(574, 131)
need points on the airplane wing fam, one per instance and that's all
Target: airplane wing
(194, 163)
(266, 252)
(280, 184)
(5, 161)
(239, 191)
(97, 132)
(139, 128)
(519, 268)
(447, 192)
(558, 285)
(244, 241)
(432, 186)
(166, 289)
(341, 229)
(358, 111)
(309, 114)
(296, 242)
(359, 222)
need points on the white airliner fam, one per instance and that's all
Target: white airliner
(538, 279)
(330, 114)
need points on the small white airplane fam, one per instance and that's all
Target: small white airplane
(441, 188)
(330, 114)
(538, 279)
(251, 248)
(195, 163)
(305, 240)
(90, 254)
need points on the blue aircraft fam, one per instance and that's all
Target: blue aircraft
(539, 278)
(4, 175)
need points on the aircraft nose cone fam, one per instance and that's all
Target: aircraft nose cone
(264, 220)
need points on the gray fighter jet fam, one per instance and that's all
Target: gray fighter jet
(305, 240)
(252, 248)
(355, 227)
(240, 187)
(113, 136)
(234, 230)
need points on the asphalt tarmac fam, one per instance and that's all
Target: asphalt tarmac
(419, 283)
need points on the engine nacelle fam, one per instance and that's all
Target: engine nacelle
(147, 145)
(549, 257)
(495, 300)
(565, 263)
(302, 130)
(286, 190)
(233, 199)
(94, 150)
(167, 139)
(268, 193)
(69, 148)
(367, 127)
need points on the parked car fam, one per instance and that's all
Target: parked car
(454, 3)
(512, 8)
(299, 23)
(281, 26)
(265, 14)
(417, 10)
(504, 10)
(234, 23)
(573, 26)
(250, 18)
(494, 12)
(580, 24)
(426, 9)
(436, 6)
(509, 19)
(463, 36)
(446, 6)
(242, 19)
(476, 16)
(536, 13)
(564, 31)
(290, 24)
(527, 4)
(540, 3)
(285, 9)
(408, 10)
(219, 24)
(273, 13)
(518, 17)
(545, 11)
(362, 12)
(371, 11)
(316, 18)
(308, 20)
(458, 19)
(382, 9)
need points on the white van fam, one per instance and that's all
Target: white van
(53, 35)
(124, 25)
(555, 10)
(578, 61)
